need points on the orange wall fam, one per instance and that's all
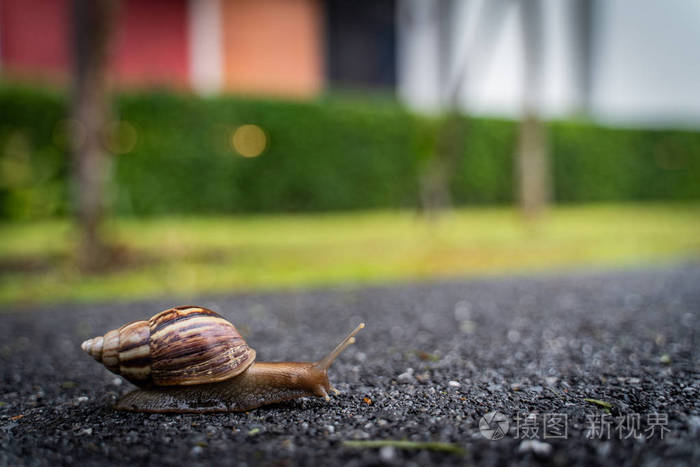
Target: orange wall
(273, 46)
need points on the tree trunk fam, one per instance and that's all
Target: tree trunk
(93, 24)
(532, 165)
(435, 180)
(452, 133)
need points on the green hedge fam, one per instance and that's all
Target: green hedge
(322, 155)
(33, 163)
(601, 164)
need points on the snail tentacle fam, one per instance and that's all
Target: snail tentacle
(326, 361)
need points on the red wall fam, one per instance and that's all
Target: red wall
(34, 37)
(150, 45)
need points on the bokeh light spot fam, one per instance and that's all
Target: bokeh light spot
(249, 140)
(120, 137)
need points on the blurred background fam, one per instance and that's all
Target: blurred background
(183, 147)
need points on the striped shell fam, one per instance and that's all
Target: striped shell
(180, 346)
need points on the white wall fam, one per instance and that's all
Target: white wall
(418, 73)
(205, 45)
(648, 62)
(646, 67)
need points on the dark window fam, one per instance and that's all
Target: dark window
(361, 48)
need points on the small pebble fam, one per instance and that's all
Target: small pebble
(513, 336)
(407, 376)
(603, 449)
(467, 326)
(359, 434)
(539, 448)
(423, 377)
(387, 453)
(551, 380)
(694, 424)
(454, 384)
(196, 450)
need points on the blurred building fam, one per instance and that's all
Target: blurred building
(151, 45)
(629, 61)
(271, 46)
(275, 47)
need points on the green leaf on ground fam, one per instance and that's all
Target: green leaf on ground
(605, 405)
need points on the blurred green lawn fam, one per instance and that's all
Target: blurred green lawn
(183, 257)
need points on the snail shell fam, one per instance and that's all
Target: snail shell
(177, 347)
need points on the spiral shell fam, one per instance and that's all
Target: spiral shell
(181, 346)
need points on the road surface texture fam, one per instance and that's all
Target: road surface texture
(434, 359)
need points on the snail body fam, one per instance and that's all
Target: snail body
(190, 359)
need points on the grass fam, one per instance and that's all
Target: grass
(183, 257)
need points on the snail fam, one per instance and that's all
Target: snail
(190, 359)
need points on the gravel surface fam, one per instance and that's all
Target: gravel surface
(435, 357)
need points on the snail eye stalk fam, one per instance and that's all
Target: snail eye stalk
(327, 361)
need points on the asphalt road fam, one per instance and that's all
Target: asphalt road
(434, 358)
